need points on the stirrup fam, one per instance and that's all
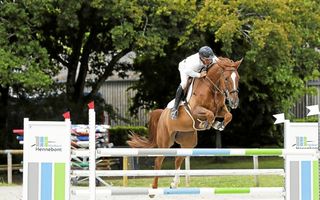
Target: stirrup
(174, 114)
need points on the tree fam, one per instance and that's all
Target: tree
(89, 38)
(279, 42)
(24, 63)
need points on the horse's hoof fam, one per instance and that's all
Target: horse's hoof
(221, 128)
(217, 125)
(173, 186)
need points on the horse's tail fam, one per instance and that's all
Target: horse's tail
(137, 141)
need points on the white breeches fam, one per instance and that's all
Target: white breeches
(184, 79)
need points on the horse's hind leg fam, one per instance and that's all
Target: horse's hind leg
(162, 142)
(157, 166)
(165, 139)
(186, 140)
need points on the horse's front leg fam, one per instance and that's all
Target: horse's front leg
(227, 117)
(176, 180)
(186, 140)
(204, 114)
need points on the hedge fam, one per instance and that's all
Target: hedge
(120, 134)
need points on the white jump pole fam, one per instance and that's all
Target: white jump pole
(92, 149)
(301, 165)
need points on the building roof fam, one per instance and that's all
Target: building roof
(131, 75)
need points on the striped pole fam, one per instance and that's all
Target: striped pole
(145, 152)
(252, 192)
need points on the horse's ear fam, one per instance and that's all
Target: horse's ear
(237, 64)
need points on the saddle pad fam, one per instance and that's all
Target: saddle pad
(171, 103)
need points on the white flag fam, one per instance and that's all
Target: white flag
(279, 118)
(314, 110)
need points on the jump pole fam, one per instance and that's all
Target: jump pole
(301, 168)
(92, 150)
(303, 163)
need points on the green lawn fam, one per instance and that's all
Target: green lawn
(214, 181)
(231, 162)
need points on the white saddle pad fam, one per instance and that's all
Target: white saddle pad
(171, 103)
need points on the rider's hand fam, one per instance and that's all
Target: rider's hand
(203, 74)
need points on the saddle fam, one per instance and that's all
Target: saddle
(198, 123)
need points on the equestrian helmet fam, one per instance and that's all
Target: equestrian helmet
(206, 52)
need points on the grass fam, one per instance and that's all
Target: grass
(212, 181)
(231, 162)
(216, 181)
(16, 178)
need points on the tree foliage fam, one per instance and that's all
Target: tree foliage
(24, 64)
(82, 33)
(277, 39)
(91, 38)
(279, 42)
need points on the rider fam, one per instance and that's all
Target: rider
(192, 67)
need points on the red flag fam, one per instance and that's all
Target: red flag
(91, 105)
(66, 115)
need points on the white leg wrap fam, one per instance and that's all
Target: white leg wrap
(175, 182)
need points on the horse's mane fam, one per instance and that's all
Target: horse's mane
(226, 62)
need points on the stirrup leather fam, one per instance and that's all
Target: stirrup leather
(174, 113)
(203, 124)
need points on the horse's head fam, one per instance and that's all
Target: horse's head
(227, 80)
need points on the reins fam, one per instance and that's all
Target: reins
(215, 85)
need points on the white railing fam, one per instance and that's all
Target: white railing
(9, 153)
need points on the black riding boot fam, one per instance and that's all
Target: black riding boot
(174, 110)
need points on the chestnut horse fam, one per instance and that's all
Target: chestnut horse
(207, 102)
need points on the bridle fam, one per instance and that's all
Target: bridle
(214, 86)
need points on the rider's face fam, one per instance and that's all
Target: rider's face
(206, 61)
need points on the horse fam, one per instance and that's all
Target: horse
(208, 101)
